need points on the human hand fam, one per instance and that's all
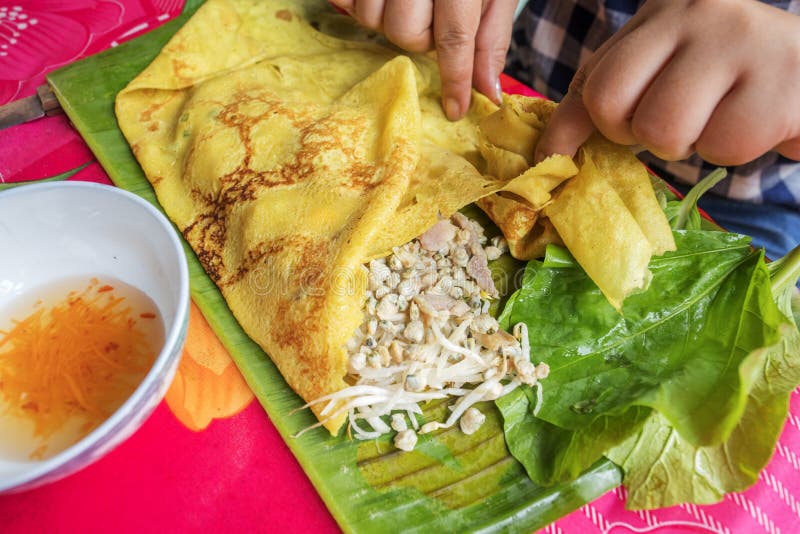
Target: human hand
(471, 38)
(716, 77)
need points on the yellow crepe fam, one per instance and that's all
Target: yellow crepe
(288, 158)
(607, 215)
(289, 150)
(610, 220)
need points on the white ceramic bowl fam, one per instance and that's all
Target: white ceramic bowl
(52, 231)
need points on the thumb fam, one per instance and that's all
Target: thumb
(569, 126)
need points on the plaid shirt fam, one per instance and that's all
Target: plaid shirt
(553, 38)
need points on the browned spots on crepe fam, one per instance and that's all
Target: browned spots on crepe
(296, 330)
(326, 135)
(255, 258)
(299, 309)
(363, 176)
(157, 100)
(207, 234)
(284, 14)
(316, 136)
(147, 114)
(180, 68)
(307, 272)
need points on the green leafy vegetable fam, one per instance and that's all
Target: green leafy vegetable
(687, 390)
(662, 468)
(784, 274)
(683, 214)
(556, 257)
(677, 347)
(551, 454)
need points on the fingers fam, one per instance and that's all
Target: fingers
(664, 82)
(672, 115)
(408, 24)
(745, 124)
(455, 25)
(471, 41)
(491, 46)
(571, 125)
(617, 81)
(369, 13)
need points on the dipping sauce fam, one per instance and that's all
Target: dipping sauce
(70, 355)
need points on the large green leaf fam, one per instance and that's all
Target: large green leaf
(663, 469)
(687, 347)
(453, 483)
(552, 454)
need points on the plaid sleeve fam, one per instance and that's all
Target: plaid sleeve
(552, 39)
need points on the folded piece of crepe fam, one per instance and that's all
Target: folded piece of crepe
(289, 148)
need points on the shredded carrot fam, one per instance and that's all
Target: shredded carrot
(80, 358)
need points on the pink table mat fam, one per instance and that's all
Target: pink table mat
(209, 458)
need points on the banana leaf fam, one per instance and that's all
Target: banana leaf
(451, 482)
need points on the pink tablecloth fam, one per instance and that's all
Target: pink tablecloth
(209, 458)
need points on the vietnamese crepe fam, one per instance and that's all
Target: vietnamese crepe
(288, 157)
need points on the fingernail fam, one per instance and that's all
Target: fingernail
(498, 93)
(452, 109)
